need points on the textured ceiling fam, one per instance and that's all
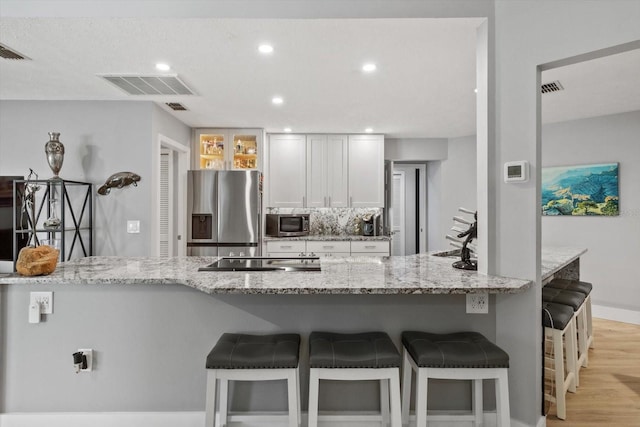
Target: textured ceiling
(424, 86)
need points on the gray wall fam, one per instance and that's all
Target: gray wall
(458, 186)
(612, 241)
(100, 138)
(151, 341)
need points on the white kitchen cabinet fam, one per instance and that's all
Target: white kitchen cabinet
(375, 248)
(366, 171)
(286, 172)
(285, 248)
(327, 171)
(327, 248)
(227, 149)
(331, 248)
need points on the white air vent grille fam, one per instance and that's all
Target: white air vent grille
(176, 106)
(149, 85)
(551, 87)
(8, 53)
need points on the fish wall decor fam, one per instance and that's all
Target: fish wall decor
(119, 180)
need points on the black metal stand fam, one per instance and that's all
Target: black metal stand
(74, 233)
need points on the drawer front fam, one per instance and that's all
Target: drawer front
(291, 246)
(328, 246)
(370, 247)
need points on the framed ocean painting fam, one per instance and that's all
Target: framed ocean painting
(580, 190)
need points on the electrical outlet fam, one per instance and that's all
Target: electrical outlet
(133, 226)
(45, 299)
(478, 303)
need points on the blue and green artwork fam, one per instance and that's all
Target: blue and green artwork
(580, 190)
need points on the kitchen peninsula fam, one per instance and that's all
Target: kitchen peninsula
(152, 321)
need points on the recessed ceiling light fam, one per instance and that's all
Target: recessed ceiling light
(369, 67)
(162, 66)
(277, 100)
(368, 130)
(265, 48)
(287, 130)
(476, 90)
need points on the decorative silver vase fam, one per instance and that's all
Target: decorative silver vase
(55, 153)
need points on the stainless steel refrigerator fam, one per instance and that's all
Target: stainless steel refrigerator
(223, 211)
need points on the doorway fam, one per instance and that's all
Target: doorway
(171, 198)
(409, 208)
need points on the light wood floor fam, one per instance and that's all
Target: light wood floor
(609, 392)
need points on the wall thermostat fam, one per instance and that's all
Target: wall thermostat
(516, 171)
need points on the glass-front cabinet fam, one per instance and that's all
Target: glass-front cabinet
(220, 148)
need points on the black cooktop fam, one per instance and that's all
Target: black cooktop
(264, 264)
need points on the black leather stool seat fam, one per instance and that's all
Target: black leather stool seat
(456, 350)
(556, 316)
(241, 351)
(571, 285)
(560, 296)
(363, 350)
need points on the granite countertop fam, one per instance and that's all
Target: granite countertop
(330, 237)
(414, 274)
(556, 258)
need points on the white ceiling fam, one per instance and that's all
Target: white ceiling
(424, 85)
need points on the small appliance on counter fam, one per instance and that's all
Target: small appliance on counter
(371, 225)
(287, 225)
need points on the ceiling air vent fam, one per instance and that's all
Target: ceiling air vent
(8, 53)
(176, 106)
(149, 85)
(551, 87)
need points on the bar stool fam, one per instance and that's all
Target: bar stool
(582, 287)
(355, 357)
(576, 301)
(559, 323)
(456, 356)
(241, 357)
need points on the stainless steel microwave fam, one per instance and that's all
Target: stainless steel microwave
(287, 225)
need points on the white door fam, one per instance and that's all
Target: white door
(166, 196)
(170, 197)
(398, 206)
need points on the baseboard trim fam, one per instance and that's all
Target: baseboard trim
(616, 314)
(196, 419)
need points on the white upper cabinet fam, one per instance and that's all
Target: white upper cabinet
(226, 149)
(366, 171)
(286, 171)
(327, 169)
(316, 171)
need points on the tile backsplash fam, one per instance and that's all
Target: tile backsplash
(332, 221)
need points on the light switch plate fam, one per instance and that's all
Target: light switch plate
(133, 227)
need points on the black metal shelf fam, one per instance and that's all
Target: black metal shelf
(75, 212)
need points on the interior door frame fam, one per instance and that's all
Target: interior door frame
(183, 155)
(399, 213)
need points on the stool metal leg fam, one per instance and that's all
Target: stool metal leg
(314, 385)
(384, 401)
(210, 404)
(477, 404)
